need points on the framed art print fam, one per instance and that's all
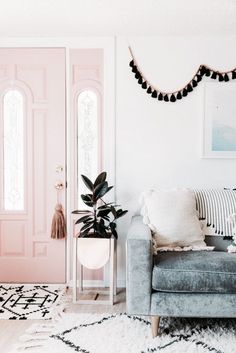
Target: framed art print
(219, 128)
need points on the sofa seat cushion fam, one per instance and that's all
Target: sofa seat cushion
(195, 271)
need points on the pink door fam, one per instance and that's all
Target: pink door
(32, 160)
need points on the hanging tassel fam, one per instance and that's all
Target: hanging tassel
(208, 72)
(149, 90)
(202, 70)
(199, 78)
(194, 83)
(233, 75)
(131, 64)
(58, 229)
(226, 77)
(154, 94)
(220, 77)
(179, 95)
(185, 92)
(189, 88)
(134, 69)
(140, 80)
(166, 98)
(172, 98)
(160, 97)
(214, 75)
(137, 75)
(144, 85)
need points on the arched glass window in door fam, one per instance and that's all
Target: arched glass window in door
(88, 152)
(13, 151)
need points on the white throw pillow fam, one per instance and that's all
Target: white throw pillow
(173, 218)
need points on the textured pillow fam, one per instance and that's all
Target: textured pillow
(173, 218)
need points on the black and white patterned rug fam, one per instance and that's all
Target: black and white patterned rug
(28, 301)
(122, 333)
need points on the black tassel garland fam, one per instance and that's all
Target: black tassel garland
(144, 85)
(131, 64)
(140, 80)
(185, 92)
(179, 95)
(154, 94)
(166, 98)
(172, 98)
(160, 97)
(226, 77)
(189, 88)
(214, 75)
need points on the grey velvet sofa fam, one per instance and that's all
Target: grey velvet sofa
(178, 284)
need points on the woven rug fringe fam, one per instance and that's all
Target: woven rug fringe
(62, 304)
(37, 335)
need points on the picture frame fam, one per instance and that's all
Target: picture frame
(219, 125)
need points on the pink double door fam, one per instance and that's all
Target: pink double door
(32, 161)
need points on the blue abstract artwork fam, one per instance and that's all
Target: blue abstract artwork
(223, 137)
(220, 120)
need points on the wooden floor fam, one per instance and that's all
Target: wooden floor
(11, 330)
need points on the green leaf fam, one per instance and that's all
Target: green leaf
(121, 213)
(86, 227)
(84, 219)
(84, 234)
(100, 179)
(109, 188)
(81, 212)
(106, 205)
(106, 218)
(102, 213)
(100, 190)
(113, 210)
(87, 182)
(87, 199)
(113, 229)
(112, 225)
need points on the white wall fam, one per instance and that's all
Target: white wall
(158, 144)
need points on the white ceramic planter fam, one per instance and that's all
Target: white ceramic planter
(93, 253)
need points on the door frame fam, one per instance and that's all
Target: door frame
(108, 44)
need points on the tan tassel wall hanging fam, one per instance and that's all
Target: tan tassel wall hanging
(58, 228)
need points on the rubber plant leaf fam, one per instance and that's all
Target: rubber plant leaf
(100, 179)
(87, 182)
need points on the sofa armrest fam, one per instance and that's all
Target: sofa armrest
(139, 257)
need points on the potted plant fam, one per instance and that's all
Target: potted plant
(98, 225)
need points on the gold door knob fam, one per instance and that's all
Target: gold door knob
(59, 185)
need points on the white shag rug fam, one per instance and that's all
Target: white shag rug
(122, 333)
(22, 302)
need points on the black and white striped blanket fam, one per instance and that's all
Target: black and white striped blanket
(218, 209)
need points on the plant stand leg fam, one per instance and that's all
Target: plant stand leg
(111, 289)
(115, 267)
(155, 321)
(75, 269)
(80, 278)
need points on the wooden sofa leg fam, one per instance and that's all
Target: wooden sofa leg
(155, 321)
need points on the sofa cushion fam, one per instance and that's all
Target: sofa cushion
(195, 271)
